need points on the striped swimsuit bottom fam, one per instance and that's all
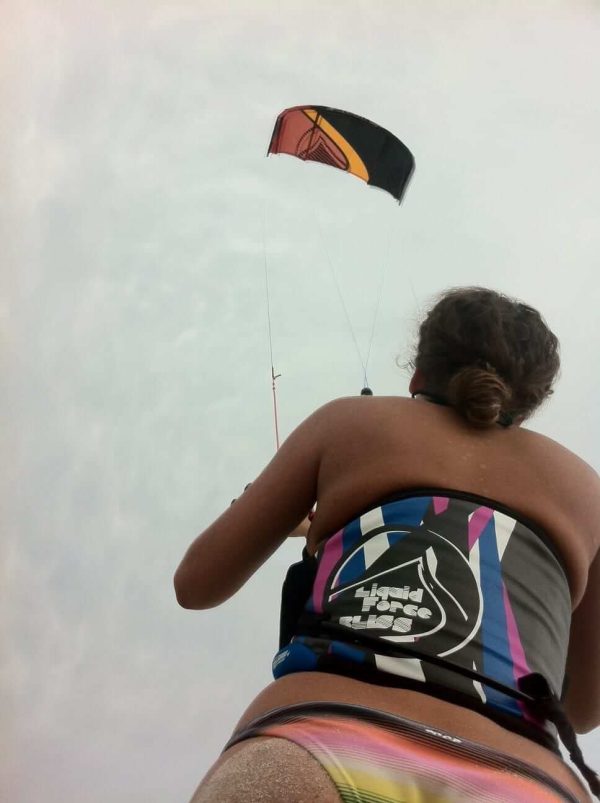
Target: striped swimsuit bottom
(374, 757)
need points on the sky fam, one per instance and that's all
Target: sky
(138, 218)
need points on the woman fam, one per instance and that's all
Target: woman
(448, 549)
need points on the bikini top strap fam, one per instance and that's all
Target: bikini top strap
(504, 419)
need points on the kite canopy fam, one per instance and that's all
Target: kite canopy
(346, 141)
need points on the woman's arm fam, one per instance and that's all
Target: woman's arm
(582, 702)
(228, 552)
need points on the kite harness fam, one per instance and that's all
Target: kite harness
(445, 593)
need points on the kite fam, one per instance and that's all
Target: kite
(345, 141)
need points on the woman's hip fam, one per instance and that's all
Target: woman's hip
(373, 756)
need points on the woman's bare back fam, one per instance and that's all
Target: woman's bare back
(378, 446)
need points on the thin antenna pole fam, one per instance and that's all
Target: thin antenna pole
(274, 376)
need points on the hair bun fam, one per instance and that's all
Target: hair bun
(493, 357)
(479, 394)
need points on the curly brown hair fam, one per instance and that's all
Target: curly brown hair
(492, 357)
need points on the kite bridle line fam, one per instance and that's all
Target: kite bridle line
(386, 263)
(340, 295)
(364, 362)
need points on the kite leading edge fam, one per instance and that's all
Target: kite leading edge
(345, 141)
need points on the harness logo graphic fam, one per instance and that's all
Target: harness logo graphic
(398, 609)
(409, 585)
(408, 612)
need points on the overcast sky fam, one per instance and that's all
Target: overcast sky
(137, 214)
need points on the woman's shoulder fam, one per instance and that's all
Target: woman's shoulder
(346, 414)
(349, 409)
(534, 460)
(366, 422)
(571, 463)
